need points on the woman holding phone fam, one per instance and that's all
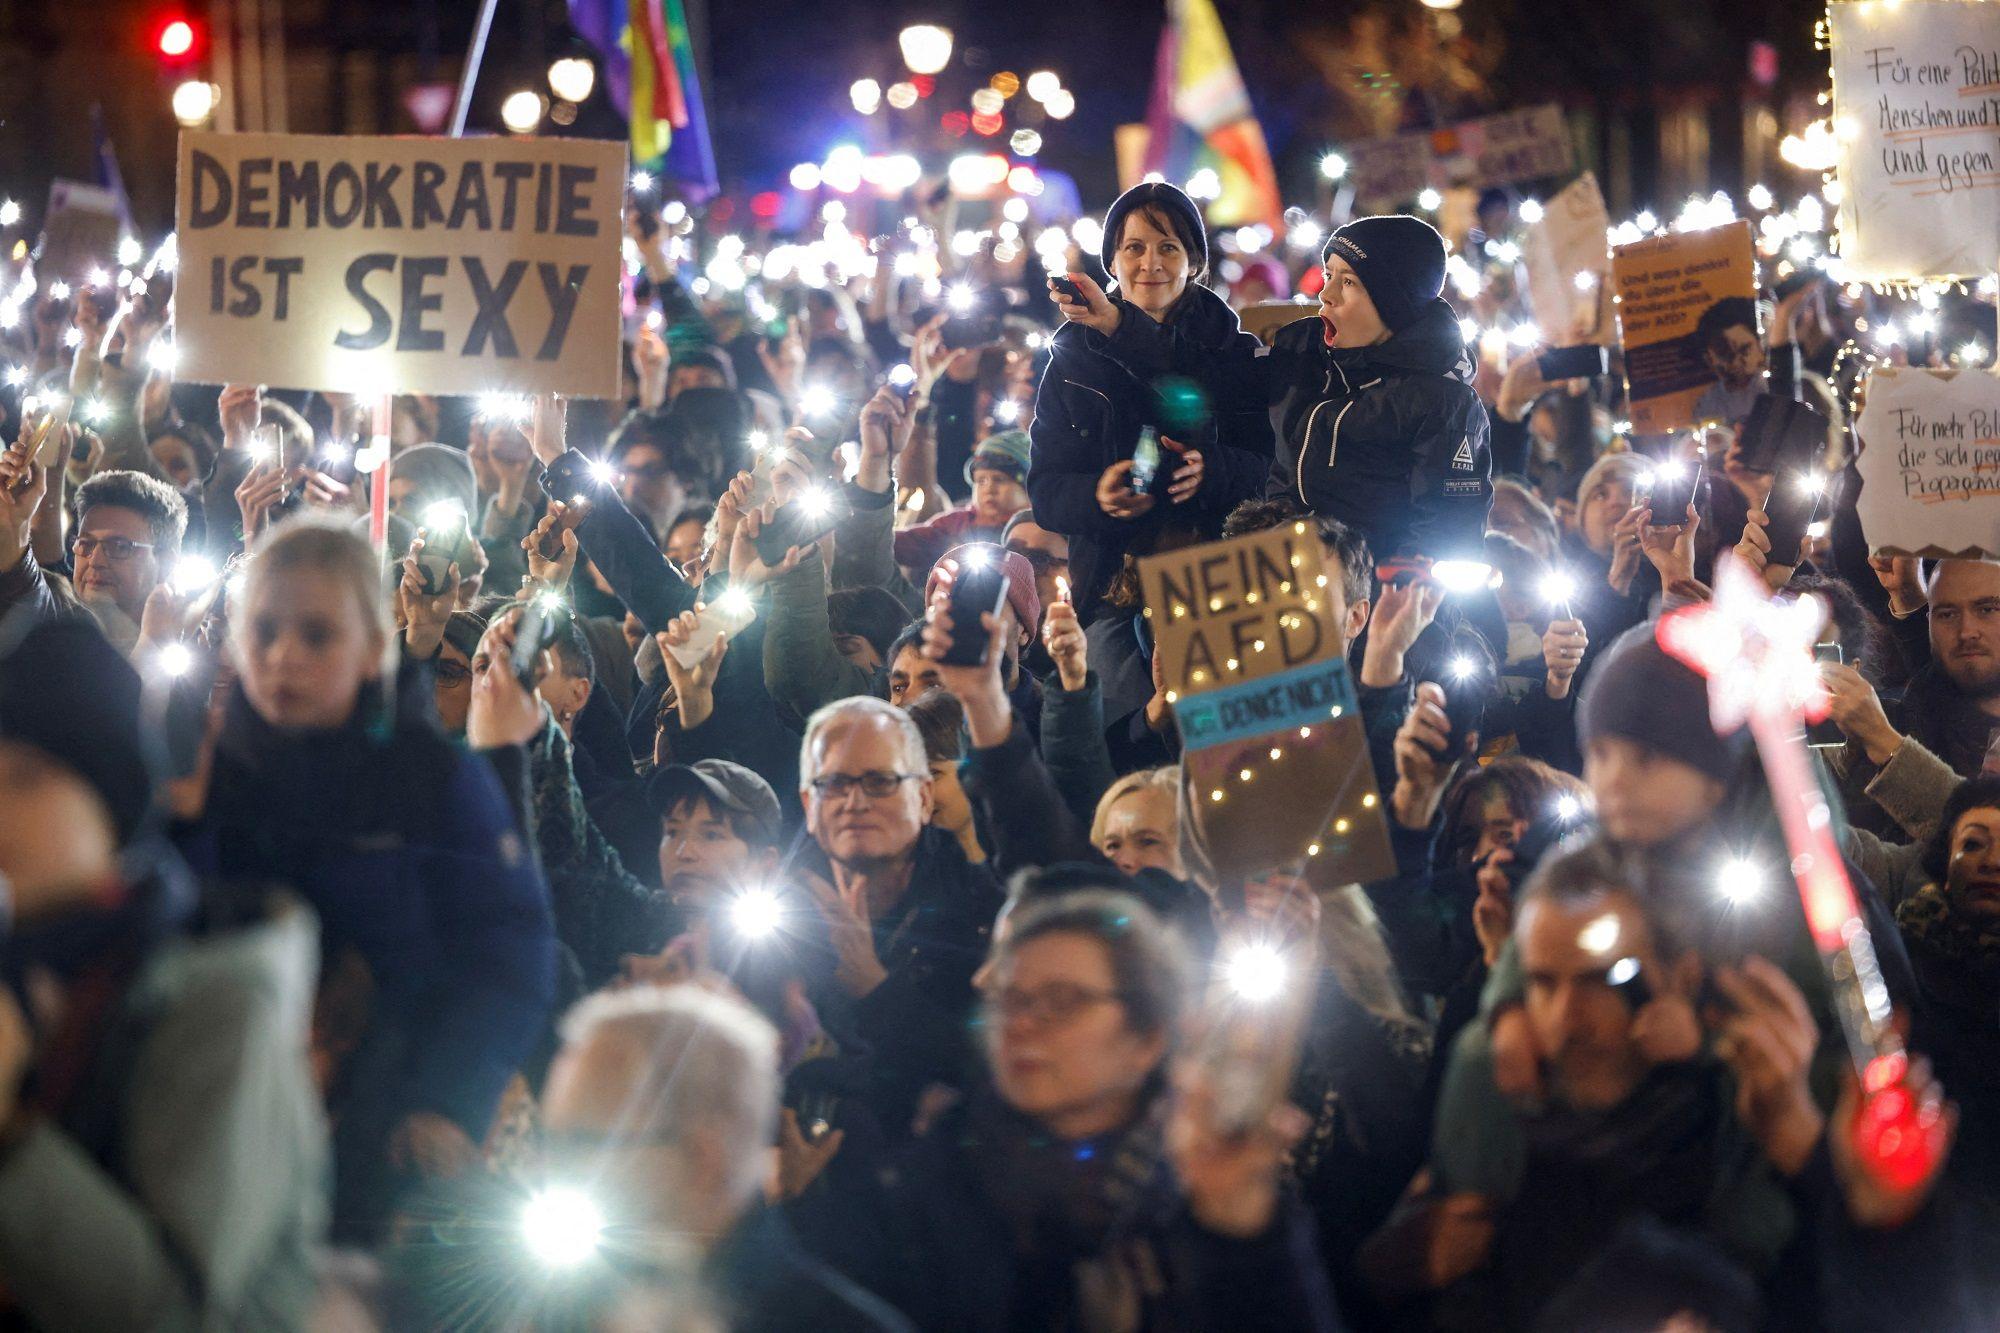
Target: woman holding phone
(1101, 427)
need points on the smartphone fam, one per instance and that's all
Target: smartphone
(1627, 978)
(445, 546)
(731, 617)
(1071, 292)
(1675, 485)
(976, 590)
(1824, 734)
(41, 441)
(903, 380)
(79, 452)
(1543, 836)
(551, 545)
(796, 525)
(1146, 460)
(1791, 508)
(1588, 361)
(1467, 685)
(1403, 570)
(1780, 432)
(533, 635)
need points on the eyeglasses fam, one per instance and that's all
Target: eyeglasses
(1039, 561)
(450, 674)
(875, 786)
(1057, 1003)
(117, 549)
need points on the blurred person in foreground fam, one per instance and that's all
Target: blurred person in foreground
(161, 1146)
(661, 1106)
(1094, 1180)
(326, 773)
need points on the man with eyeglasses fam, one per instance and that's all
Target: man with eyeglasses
(127, 540)
(908, 918)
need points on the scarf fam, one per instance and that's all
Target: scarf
(1082, 1216)
(1931, 917)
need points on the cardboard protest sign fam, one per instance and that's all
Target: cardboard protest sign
(385, 265)
(1569, 265)
(1675, 294)
(1491, 150)
(1916, 109)
(79, 232)
(1273, 747)
(1930, 469)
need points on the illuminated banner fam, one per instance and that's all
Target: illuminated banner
(1273, 747)
(391, 265)
(1931, 467)
(1916, 111)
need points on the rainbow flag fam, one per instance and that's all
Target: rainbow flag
(649, 70)
(1200, 116)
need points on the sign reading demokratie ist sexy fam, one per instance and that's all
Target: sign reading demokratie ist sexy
(392, 265)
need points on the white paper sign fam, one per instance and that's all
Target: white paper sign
(1931, 469)
(1916, 107)
(1569, 265)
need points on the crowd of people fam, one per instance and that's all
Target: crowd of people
(643, 896)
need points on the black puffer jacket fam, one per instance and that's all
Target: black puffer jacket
(1390, 439)
(1088, 414)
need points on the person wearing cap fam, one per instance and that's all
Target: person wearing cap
(998, 475)
(1093, 403)
(162, 1153)
(1379, 424)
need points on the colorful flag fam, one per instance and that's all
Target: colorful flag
(1200, 117)
(649, 71)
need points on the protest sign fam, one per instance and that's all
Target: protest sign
(79, 232)
(387, 265)
(1930, 469)
(1676, 295)
(1492, 150)
(1916, 111)
(1569, 265)
(1274, 751)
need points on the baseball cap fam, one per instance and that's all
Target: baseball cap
(724, 785)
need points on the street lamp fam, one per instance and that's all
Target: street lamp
(195, 101)
(572, 78)
(926, 47)
(522, 111)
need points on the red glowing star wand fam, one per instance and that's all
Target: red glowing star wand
(1757, 654)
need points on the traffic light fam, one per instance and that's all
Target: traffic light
(178, 40)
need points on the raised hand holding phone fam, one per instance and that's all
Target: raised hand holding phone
(1085, 303)
(965, 634)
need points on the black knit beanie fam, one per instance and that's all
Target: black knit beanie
(1175, 203)
(1399, 259)
(1640, 693)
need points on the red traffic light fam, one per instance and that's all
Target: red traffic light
(176, 39)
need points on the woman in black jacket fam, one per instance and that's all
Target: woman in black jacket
(1381, 428)
(1091, 408)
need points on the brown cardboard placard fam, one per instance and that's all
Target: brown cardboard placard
(392, 265)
